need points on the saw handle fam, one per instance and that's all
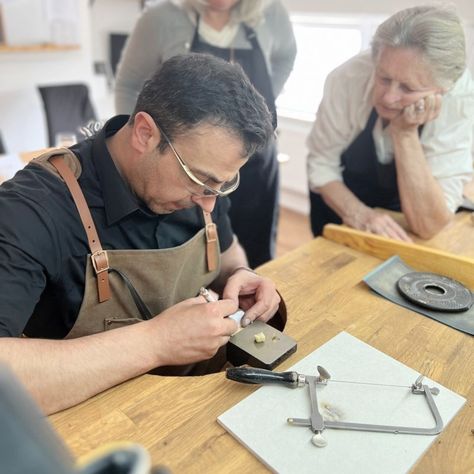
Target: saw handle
(260, 376)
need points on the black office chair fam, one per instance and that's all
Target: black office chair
(67, 108)
(28, 442)
(2, 146)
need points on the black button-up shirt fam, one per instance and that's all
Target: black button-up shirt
(43, 245)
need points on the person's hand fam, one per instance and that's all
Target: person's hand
(418, 113)
(376, 222)
(255, 294)
(192, 330)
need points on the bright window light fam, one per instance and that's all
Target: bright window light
(323, 44)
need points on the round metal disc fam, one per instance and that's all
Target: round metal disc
(435, 292)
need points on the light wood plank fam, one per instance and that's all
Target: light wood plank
(420, 257)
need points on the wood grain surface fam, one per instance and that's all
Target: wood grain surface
(175, 418)
(420, 256)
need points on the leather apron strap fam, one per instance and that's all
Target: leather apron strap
(99, 258)
(211, 242)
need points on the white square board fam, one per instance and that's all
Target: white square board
(259, 421)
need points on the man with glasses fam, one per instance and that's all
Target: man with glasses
(105, 246)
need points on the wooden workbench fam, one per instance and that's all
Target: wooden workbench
(175, 418)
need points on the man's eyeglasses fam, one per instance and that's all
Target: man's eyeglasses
(224, 190)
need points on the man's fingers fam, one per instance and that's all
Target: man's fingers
(232, 289)
(230, 327)
(263, 309)
(222, 307)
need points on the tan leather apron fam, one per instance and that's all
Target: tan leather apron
(160, 277)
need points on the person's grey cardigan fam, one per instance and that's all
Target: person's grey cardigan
(165, 30)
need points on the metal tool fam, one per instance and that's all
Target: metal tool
(434, 291)
(316, 423)
(242, 347)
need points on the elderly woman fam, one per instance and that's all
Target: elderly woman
(394, 129)
(257, 34)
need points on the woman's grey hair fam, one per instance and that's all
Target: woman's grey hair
(249, 12)
(436, 31)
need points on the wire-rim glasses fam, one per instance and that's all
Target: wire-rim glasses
(225, 189)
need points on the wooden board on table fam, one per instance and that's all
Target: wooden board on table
(420, 257)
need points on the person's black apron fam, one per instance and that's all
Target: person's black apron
(374, 183)
(254, 210)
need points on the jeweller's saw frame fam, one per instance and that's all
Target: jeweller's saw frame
(315, 422)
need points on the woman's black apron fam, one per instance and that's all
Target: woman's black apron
(254, 210)
(374, 183)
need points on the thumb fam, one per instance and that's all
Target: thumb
(232, 290)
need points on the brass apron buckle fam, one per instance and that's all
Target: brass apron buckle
(100, 261)
(211, 232)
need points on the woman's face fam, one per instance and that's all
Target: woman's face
(401, 79)
(221, 5)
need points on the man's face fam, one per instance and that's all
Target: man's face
(211, 153)
(401, 79)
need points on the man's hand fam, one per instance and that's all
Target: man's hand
(256, 295)
(193, 330)
(378, 223)
(418, 113)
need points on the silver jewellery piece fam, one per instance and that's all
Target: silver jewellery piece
(205, 293)
(91, 128)
(419, 108)
(316, 423)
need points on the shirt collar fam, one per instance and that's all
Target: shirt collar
(119, 201)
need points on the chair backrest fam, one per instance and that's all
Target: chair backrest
(116, 44)
(67, 107)
(2, 146)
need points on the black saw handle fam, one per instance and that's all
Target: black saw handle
(260, 376)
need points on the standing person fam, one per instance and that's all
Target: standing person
(394, 129)
(258, 35)
(104, 246)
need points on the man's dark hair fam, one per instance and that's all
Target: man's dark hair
(193, 89)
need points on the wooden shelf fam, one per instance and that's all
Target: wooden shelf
(38, 48)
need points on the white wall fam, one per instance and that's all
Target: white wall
(465, 7)
(22, 122)
(111, 16)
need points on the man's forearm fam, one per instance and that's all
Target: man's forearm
(62, 373)
(421, 197)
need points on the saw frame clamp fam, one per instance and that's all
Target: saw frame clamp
(316, 423)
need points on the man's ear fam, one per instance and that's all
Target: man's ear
(145, 133)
